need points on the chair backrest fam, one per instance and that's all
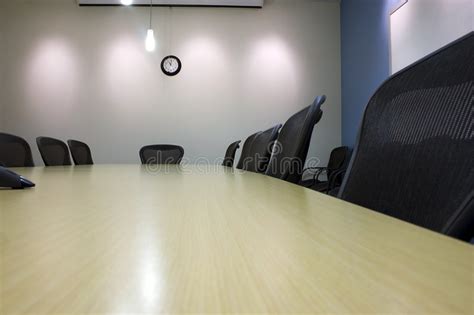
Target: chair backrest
(246, 150)
(337, 159)
(14, 151)
(53, 151)
(81, 153)
(261, 150)
(414, 159)
(291, 148)
(161, 154)
(230, 154)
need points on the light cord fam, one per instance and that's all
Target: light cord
(151, 11)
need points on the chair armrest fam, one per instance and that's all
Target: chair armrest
(321, 171)
(335, 177)
(316, 174)
(313, 169)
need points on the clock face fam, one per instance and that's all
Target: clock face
(171, 65)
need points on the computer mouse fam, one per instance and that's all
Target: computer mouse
(9, 179)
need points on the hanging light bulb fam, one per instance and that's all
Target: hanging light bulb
(127, 2)
(150, 43)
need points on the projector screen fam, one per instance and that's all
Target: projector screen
(420, 27)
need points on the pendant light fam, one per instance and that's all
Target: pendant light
(150, 43)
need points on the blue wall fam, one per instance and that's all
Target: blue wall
(365, 42)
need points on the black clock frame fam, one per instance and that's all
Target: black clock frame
(171, 74)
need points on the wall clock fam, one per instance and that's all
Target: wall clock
(171, 65)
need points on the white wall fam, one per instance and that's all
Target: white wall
(423, 26)
(83, 73)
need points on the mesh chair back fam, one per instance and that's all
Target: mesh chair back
(414, 159)
(261, 150)
(53, 151)
(246, 149)
(230, 154)
(337, 159)
(161, 154)
(81, 153)
(14, 151)
(291, 148)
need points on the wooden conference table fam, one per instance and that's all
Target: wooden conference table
(127, 240)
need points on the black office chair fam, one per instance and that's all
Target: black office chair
(53, 151)
(414, 158)
(14, 151)
(291, 148)
(161, 154)
(81, 153)
(338, 161)
(245, 154)
(230, 154)
(261, 150)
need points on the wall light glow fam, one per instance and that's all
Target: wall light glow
(52, 76)
(127, 2)
(127, 74)
(272, 66)
(207, 66)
